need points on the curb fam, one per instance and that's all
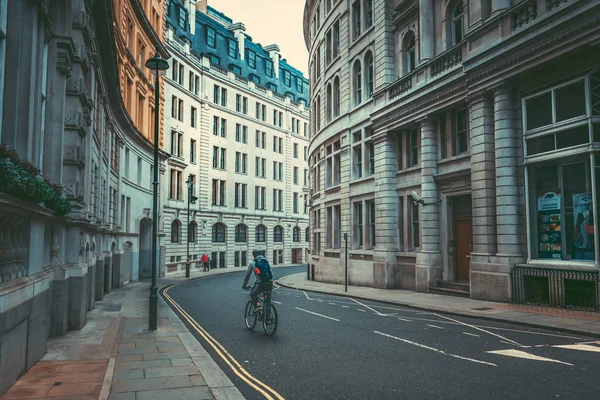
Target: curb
(455, 313)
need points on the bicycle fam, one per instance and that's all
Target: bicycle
(268, 314)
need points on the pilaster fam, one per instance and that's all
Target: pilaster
(426, 30)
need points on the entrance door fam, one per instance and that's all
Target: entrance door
(463, 237)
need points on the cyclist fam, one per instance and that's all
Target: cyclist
(264, 279)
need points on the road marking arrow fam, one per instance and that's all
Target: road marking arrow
(522, 354)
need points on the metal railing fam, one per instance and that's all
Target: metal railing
(555, 287)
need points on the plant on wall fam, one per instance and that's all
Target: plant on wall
(23, 180)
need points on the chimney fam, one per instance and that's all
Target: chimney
(202, 5)
(273, 50)
(238, 30)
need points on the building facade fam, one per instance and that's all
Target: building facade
(72, 218)
(455, 142)
(237, 128)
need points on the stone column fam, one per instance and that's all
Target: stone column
(429, 258)
(483, 177)
(426, 30)
(507, 189)
(385, 268)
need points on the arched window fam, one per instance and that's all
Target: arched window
(329, 102)
(357, 78)
(261, 233)
(240, 233)
(307, 235)
(192, 228)
(409, 52)
(296, 234)
(369, 74)
(218, 232)
(278, 234)
(318, 114)
(458, 17)
(175, 231)
(336, 96)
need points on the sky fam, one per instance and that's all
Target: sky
(271, 22)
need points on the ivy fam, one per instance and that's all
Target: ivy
(22, 180)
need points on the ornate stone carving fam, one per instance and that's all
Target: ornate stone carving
(74, 84)
(74, 155)
(63, 63)
(73, 119)
(73, 190)
(87, 117)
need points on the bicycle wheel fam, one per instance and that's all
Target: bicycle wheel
(250, 315)
(270, 321)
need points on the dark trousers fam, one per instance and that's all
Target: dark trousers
(260, 287)
(205, 266)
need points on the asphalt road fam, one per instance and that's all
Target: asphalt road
(329, 347)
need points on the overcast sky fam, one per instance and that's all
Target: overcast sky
(271, 22)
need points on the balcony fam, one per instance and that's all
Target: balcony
(523, 14)
(446, 60)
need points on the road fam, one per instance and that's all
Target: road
(329, 347)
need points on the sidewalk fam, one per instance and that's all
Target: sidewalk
(582, 322)
(115, 356)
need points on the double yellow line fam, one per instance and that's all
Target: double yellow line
(268, 392)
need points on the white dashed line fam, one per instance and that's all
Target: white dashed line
(345, 306)
(435, 326)
(275, 301)
(332, 304)
(470, 334)
(405, 320)
(361, 310)
(317, 314)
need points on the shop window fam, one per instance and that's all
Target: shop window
(570, 101)
(558, 140)
(557, 105)
(561, 211)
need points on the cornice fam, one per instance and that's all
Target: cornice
(137, 7)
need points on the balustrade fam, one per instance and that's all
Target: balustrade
(524, 13)
(13, 247)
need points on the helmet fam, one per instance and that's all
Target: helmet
(256, 253)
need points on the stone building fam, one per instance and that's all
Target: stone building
(238, 128)
(455, 143)
(63, 117)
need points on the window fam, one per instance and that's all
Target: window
(196, 85)
(191, 81)
(333, 227)
(233, 51)
(328, 44)
(177, 144)
(269, 68)
(274, 117)
(215, 60)
(357, 78)
(336, 98)
(299, 85)
(215, 157)
(180, 111)
(218, 233)
(460, 132)
(295, 150)
(371, 152)
(245, 105)
(318, 113)
(181, 74)
(175, 71)
(358, 225)
(305, 152)
(307, 235)
(240, 234)
(369, 74)
(238, 101)
(296, 234)
(413, 146)
(240, 258)
(218, 193)
(333, 165)
(251, 59)
(192, 228)
(295, 175)
(328, 104)
(457, 24)
(278, 234)
(318, 13)
(192, 150)
(280, 119)
(287, 78)
(409, 52)
(223, 128)
(277, 200)
(414, 225)
(223, 159)
(211, 37)
(257, 111)
(305, 177)
(216, 92)
(174, 103)
(357, 155)
(235, 69)
(293, 125)
(176, 185)
(244, 134)
(219, 157)
(356, 19)
(261, 167)
(368, 14)
(295, 203)
(264, 140)
(260, 198)
(193, 117)
(260, 234)
(238, 133)
(280, 145)
(371, 207)
(175, 231)
(336, 40)
(255, 78)
(241, 192)
(224, 97)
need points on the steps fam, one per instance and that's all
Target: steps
(457, 289)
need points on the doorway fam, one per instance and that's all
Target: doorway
(145, 265)
(463, 237)
(296, 256)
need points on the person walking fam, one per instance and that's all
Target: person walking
(204, 260)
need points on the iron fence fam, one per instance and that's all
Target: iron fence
(555, 287)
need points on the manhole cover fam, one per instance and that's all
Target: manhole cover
(482, 309)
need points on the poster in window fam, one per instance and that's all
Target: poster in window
(549, 225)
(583, 236)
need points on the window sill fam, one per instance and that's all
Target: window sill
(410, 254)
(333, 188)
(407, 170)
(454, 158)
(362, 180)
(218, 205)
(361, 252)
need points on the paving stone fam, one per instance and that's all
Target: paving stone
(165, 382)
(142, 365)
(197, 380)
(178, 362)
(171, 371)
(196, 393)
(74, 389)
(126, 375)
(131, 357)
(171, 349)
(27, 392)
(141, 350)
(164, 356)
(77, 367)
(122, 396)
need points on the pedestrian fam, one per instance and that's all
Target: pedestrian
(204, 260)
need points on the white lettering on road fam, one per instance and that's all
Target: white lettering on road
(527, 356)
(582, 347)
(436, 350)
(320, 315)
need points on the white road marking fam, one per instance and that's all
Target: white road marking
(583, 347)
(470, 334)
(480, 329)
(436, 350)
(306, 295)
(593, 342)
(522, 354)
(320, 315)
(365, 306)
(435, 326)
(332, 304)
(361, 310)
(275, 301)
(405, 320)
(345, 306)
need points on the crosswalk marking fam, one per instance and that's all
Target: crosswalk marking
(583, 347)
(522, 354)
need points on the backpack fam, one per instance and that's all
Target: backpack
(263, 270)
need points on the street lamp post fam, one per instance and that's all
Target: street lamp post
(155, 64)
(191, 199)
